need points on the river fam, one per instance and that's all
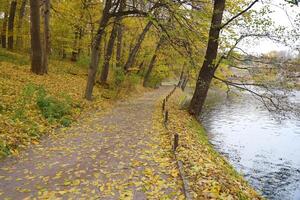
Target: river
(264, 149)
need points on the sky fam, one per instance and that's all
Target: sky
(280, 17)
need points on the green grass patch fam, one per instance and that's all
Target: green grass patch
(6, 56)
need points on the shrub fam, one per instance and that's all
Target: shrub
(131, 81)
(119, 77)
(25, 99)
(134, 79)
(83, 61)
(53, 109)
(4, 149)
(158, 74)
(65, 121)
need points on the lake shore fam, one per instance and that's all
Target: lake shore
(209, 174)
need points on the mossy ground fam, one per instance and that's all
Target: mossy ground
(210, 175)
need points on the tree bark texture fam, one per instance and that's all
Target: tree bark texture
(11, 21)
(46, 35)
(208, 68)
(22, 11)
(36, 44)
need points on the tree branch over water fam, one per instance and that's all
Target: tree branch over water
(274, 100)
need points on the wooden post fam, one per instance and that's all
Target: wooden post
(176, 141)
(166, 117)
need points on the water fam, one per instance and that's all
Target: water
(264, 149)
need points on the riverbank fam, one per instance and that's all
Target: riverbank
(210, 175)
(32, 106)
(266, 151)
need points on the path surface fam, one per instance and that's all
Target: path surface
(117, 155)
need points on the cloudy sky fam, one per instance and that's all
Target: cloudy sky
(283, 14)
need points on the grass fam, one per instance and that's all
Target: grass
(32, 106)
(13, 58)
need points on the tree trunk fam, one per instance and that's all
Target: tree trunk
(19, 42)
(46, 40)
(152, 62)
(76, 48)
(208, 68)
(119, 45)
(4, 29)
(184, 83)
(11, 20)
(74, 55)
(107, 56)
(181, 77)
(36, 45)
(137, 46)
(96, 51)
(119, 36)
(141, 66)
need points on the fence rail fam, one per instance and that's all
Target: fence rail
(175, 143)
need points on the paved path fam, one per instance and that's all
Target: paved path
(117, 155)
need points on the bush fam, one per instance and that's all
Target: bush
(134, 79)
(83, 61)
(119, 77)
(65, 121)
(25, 99)
(131, 81)
(53, 109)
(4, 149)
(158, 74)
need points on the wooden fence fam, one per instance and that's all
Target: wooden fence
(175, 143)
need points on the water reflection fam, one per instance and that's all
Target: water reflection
(266, 150)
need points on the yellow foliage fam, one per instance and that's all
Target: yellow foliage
(20, 129)
(210, 175)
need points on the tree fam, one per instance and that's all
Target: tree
(110, 46)
(46, 38)
(210, 65)
(208, 69)
(119, 37)
(108, 54)
(11, 20)
(153, 60)
(137, 46)
(37, 66)
(96, 50)
(109, 11)
(3, 32)
(22, 11)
